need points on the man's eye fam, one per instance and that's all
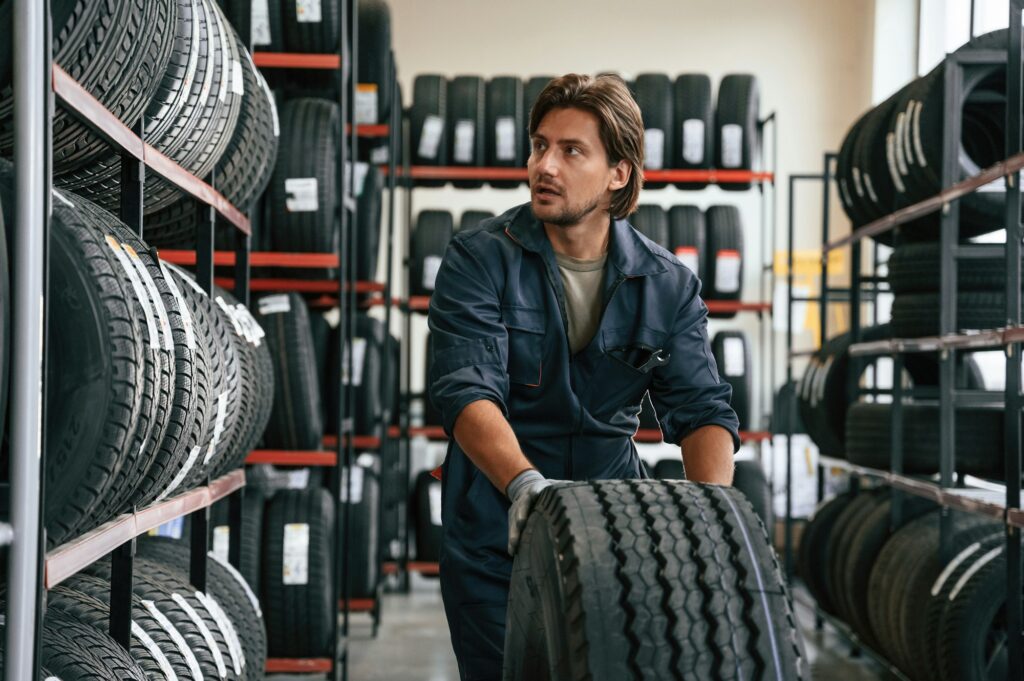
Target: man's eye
(538, 145)
(572, 151)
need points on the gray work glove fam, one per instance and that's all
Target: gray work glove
(522, 492)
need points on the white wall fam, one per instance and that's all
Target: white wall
(813, 59)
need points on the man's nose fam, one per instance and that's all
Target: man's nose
(546, 163)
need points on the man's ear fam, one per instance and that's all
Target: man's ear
(620, 175)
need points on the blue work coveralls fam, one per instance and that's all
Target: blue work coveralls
(498, 319)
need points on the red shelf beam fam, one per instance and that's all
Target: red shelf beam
(67, 559)
(289, 457)
(83, 105)
(257, 259)
(299, 285)
(520, 174)
(298, 665)
(295, 60)
(358, 605)
(430, 569)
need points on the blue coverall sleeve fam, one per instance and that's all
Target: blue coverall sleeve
(687, 392)
(470, 343)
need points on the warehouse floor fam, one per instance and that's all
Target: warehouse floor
(413, 644)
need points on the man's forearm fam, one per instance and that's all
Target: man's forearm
(708, 454)
(486, 437)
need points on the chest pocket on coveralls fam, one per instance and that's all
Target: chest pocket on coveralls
(630, 355)
(525, 344)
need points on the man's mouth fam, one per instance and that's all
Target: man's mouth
(545, 192)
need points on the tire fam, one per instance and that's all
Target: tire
(724, 255)
(472, 218)
(375, 54)
(296, 421)
(312, 32)
(812, 558)
(669, 469)
(652, 222)
(369, 202)
(427, 124)
(738, 137)
(732, 355)
(713, 585)
(915, 268)
(466, 121)
(979, 439)
(749, 478)
(304, 187)
(688, 237)
(367, 365)
(253, 505)
(259, 31)
(653, 93)
(76, 652)
(917, 314)
(694, 126)
(323, 349)
(838, 543)
(299, 614)
(433, 231)
(427, 505)
(505, 127)
(363, 502)
(531, 91)
(5, 312)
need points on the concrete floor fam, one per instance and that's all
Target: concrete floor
(413, 645)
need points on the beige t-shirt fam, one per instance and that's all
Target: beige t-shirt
(582, 281)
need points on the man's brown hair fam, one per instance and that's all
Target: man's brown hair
(622, 126)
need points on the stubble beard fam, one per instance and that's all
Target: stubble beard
(572, 215)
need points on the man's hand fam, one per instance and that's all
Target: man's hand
(522, 492)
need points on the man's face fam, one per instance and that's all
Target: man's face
(568, 168)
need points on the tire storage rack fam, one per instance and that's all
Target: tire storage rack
(462, 176)
(951, 493)
(33, 570)
(332, 281)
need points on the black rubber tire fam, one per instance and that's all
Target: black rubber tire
(669, 469)
(428, 124)
(296, 421)
(364, 542)
(73, 651)
(917, 314)
(694, 141)
(308, 151)
(812, 557)
(466, 106)
(259, 33)
(505, 127)
(323, 348)
(5, 312)
(915, 268)
(979, 438)
(687, 238)
(748, 477)
(369, 204)
(652, 222)
(299, 616)
(472, 218)
(253, 506)
(740, 377)
(701, 600)
(654, 94)
(433, 231)
(375, 53)
(427, 510)
(532, 88)
(307, 35)
(738, 105)
(838, 543)
(724, 241)
(369, 402)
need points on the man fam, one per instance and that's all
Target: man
(550, 323)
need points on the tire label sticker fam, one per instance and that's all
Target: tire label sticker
(434, 493)
(687, 255)
(367, 108)
(296, 554)
(732, 145)
(218, 428)
(270, 98)
(237, 83)
(351, 485)
(227, 629)
(727, 271)
(505, 138)
(465, 135)
(430, 136)
(302, 195)
(359, 180)
(221, 541)
(154, 650)
(890, 160)
(952, 566)
(154, 294)
(218, 659)
(355, 354)
(307, 11)
(179, 640)
(277, 304)
(734, 360)
(901, 159)
(297, 478)
(693, 140)
(431, 266)
(255, 602)
(870, 187)
(259, 19)
(918, 147)
(140, 292)
(186, 316)
(654, 149)
(380, 155)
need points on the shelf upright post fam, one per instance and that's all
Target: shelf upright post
(133, 178)
(896, 438)
(405, 449)
(788, 538)
(33, 111)
(950, 230)
(1014, 144)
(243, 247)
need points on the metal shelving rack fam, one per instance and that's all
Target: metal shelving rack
(39, 82)
(1001, 502)
(409, 304)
